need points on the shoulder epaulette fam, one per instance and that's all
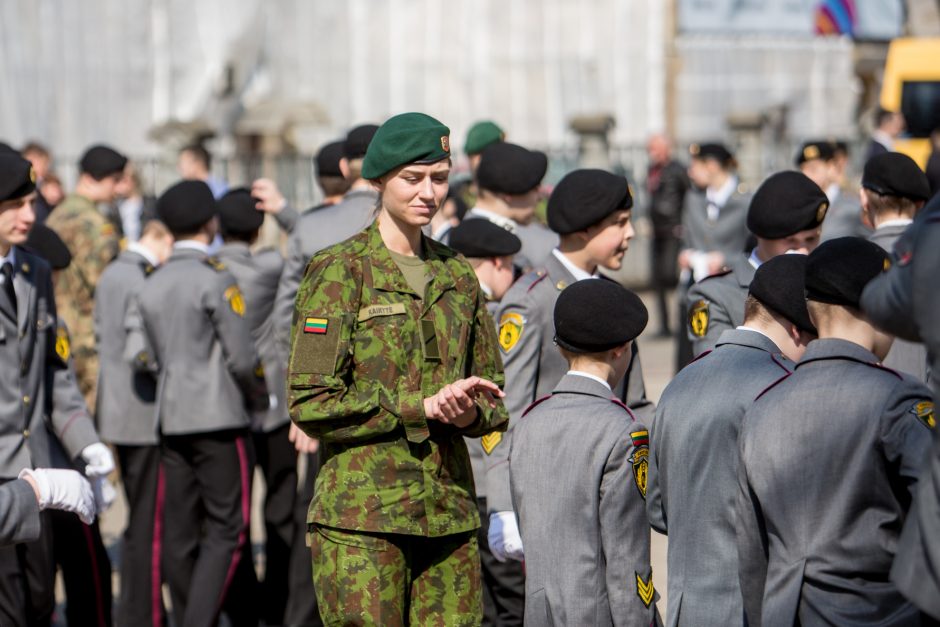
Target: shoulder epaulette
(214, 263)
(773, 385)
(708, 352)
(535, 404)
(539, 275)
(723, 272)
(885, 368)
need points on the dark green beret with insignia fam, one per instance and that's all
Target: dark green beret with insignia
(17, 177)
(403, 139)
(481, 135)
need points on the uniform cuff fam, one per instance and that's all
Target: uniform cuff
(411, 408)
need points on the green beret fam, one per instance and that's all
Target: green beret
(481, 135)
(403, 139)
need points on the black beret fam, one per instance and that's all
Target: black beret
(17, 176)
(817, 149)
(895, 174)
(327, 159)
(596, 315)
(47, 244)
(839, 269)
(186, 206)
(584, 198)
(714, 150)
(510, 169)
(780, 284)
(6, 148)
(101, 161)
(357, 141)
(237, 212)
(478, 237)
(786, 203)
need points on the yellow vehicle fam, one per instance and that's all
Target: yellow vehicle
(911, 85)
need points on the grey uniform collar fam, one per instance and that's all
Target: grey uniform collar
(742, 269)
(558, 274)
(573, 384)
(833, 348)
(234, 249)
(752, 339)
(186, 253)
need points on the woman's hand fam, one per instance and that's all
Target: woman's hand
(455, 403)
(302, 442)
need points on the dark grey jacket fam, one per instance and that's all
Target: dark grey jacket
(534, 366)
(582, 521)
(728, 234)
(905, 301)
(693, 473)
(721, 297)
(19, 513)
(36, 381)
(829, 463)
(126, 408)
(257, 275)
(192, 316)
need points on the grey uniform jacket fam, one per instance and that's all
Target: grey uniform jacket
(905, 301)
(314, 231)
(257, 275)
(909, 357)
(35, 380)
(534, 366)
(538, 241)
(583, 521)
(126, 411)
(829, 463)
(192, 316)
(19, 513)
(693, 473)
(728, 234)
(844, 218)
(716, 303)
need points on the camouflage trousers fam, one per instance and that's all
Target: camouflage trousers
(389, 579)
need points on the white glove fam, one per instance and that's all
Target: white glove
(98, 459)
(104, 493)
(503, 537)
(63, 489)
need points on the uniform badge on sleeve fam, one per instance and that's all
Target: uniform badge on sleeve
(317, 326)
(640, 459)
(235, 300)
(490, 441)
(698, 318)
(62, 347)
(923, 411)
(510, 330)
(644, 589)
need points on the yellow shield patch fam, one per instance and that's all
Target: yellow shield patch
(924, 412)
(644, 589)
(235, 300)
(698, 318)
(62, 347)
(641, 464)
(490, 440)
(510, 330)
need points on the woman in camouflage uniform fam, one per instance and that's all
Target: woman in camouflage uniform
(393, 361)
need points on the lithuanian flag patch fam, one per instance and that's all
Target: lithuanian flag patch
(640, 438)
(315, 325)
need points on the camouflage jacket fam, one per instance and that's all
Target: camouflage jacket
(365, 352)
(94, 244)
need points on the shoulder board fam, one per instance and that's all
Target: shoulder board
(723, 272)
(535, 404)
(619, 403)
(539, 275)
(773, 385)
(214, 263)
(708, 352)
(885, 368)
(774, 358)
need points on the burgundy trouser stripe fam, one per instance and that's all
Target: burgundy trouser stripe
(246, 515)
(156, 591)
(99, 598)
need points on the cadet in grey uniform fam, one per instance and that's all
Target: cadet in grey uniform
(693, 466)
(192, 314)
(894, 188)
(127, 419)
(713, 226)
(257, 274)
(38, 390)
(508, 180)
(830, 458)
(490, 249)
(905, 301)
(590, 210)
(578, 471)
(785, 215)
(317, 230)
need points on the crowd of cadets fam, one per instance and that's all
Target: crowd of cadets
(782, 462)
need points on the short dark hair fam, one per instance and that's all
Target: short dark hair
(882, 115)
(333, 185)
(880, 204)
(199, 152)
(34, 146)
